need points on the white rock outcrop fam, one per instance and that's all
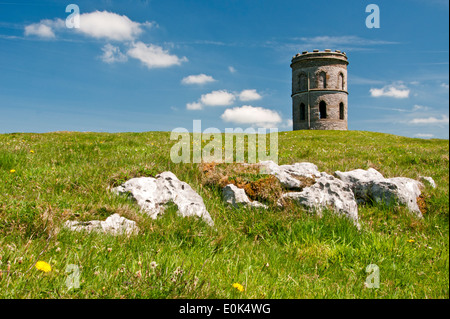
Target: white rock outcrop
(370, 186)
(152, 194)
(328, 192)
(286, 173)
(343, 193)
(428, 180)
(114, 225)
(237, 197)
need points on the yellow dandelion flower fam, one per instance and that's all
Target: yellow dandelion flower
(12, 171)
(31, 151)
(42, 265)
(238, 287)
(410, 240)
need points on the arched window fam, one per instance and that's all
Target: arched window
(322, 110)
(341, 84)
(341, 111)
(303, 82)
(322, 81)
(302, 112)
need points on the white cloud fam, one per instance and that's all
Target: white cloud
(218, 98)
(423, 135)
(115, 27)
(339, 41)
(420, 108)
(255, 116)
(398, 91)
(45, 28)
(430, 120)
(344, 43)
(223, 98)
(249, 95)
(232, 69)
(445, 85)
(112, 54)
(289, 123)
(198, 79)
(109, 25)
(97, 24)
(194, 106)
(41, 30)
(154, 56)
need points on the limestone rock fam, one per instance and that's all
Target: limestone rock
(286, 173)
(327, 192)
(361, 182)
(370, 186)
(152, 194)
(114, 224)
(429, 180)
(237, 197)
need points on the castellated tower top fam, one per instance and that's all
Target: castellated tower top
(319, 90)
(316, 54)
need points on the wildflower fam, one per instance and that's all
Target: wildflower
(153, 265)
(12, 171)
(195, 281)
(138, 274)
(31, 151)
(178, 271)
(238, 287)
(42, 265)
(410, 240)
(109, 249)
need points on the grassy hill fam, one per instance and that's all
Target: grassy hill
(46, 179)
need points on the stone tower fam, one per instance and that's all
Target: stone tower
(319, 90)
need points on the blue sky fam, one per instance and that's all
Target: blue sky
(158, 65)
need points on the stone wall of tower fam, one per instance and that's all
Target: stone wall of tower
(327, 74)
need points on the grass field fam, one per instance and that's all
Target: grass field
(46, 179)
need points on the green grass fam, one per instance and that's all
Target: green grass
(275, 253)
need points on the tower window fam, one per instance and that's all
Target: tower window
(341, 111)
(302, 112)
(341, 83)
(322, 110)
(322, 80)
